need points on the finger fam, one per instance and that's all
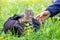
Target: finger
(41, 15)
(37, 16)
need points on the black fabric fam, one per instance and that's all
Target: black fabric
(13, 23)
(36, 24)
(54, 8)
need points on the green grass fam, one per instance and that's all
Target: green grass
(51, 30)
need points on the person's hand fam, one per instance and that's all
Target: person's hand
(44, 15)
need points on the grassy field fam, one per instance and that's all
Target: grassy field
(51, 30)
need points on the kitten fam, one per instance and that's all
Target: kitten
(28, 15)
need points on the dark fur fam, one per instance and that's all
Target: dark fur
(13, 22)
(13, 25)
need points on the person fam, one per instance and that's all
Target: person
(51, 11)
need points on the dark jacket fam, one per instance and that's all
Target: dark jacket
(55, 8)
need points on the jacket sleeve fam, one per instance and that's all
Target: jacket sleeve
(55, 8)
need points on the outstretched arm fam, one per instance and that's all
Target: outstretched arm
(50, 11)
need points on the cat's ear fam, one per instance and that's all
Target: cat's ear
(26, 10)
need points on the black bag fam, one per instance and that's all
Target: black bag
(13, 23)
